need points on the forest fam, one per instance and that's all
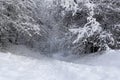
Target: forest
(75, 26)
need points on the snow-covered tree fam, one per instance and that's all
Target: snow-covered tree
(79, 26)
(19, 23)
(88, 37)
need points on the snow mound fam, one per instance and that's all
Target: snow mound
(16, 67)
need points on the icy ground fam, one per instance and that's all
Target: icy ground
(20, 63)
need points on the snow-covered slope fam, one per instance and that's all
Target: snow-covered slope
(93, 67)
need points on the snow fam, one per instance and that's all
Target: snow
(20, 63)
(90, 28)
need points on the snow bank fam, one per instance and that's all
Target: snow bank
(14, 67)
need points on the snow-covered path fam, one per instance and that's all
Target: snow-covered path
(103, 67)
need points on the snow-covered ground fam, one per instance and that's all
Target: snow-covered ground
(24, 64)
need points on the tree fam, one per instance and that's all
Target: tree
(18, 22)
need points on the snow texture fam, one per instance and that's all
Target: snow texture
(14, 66)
